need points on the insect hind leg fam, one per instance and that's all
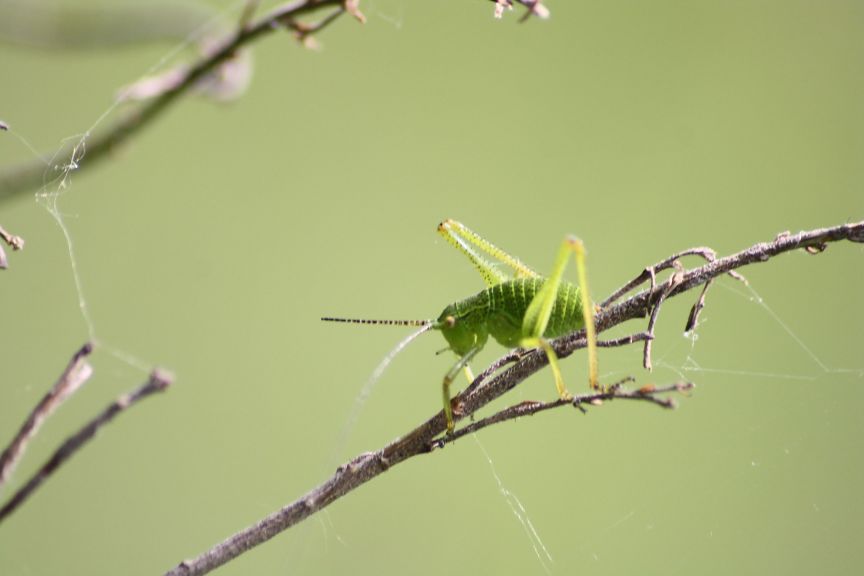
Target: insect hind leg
(466, 240)
(540, 310)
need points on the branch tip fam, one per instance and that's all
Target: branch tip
(353, 8)
(161, 379)
(14, 242)
(500, 6)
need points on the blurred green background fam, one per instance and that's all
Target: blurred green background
(212, 244)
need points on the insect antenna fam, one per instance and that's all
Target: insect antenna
(379, 322)
(366, 391)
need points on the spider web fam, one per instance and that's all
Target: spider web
(61, 168)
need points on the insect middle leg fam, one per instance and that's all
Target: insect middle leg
(460, 364)
(540, 310)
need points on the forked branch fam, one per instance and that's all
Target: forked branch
(156, 383)
(650, 394)
(497, 380)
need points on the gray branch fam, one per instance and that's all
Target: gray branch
(650, 394)
(157, 383)
(77, 372)
(488, 386)
(16, 180)
(31, 175)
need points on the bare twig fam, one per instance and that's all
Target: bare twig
(76, 373)
(638, 305)
(19, 179)
(22, 178)
(647, 394)
(693, 318)
(508, 358)
(674, 280)
(423, 438)
(304, 32)
(157, 383)
(15, 242)
(625, 340)
(650, 273)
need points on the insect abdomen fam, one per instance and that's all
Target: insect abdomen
(508, 302)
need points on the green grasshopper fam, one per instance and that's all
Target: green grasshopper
(524, 311)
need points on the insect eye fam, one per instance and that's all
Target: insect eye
(450, 321)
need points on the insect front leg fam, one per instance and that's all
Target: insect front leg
(540, 310)
(448, 379)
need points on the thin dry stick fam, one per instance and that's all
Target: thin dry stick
(19, 179)
(76, 373)
(529, 408)
(652, 321)
(812, 241)
(29, 176)
(650, 272)
(693, 318)
(305, 32)
(157, 383)
(423, 438)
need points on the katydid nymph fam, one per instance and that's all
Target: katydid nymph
(525, 310)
